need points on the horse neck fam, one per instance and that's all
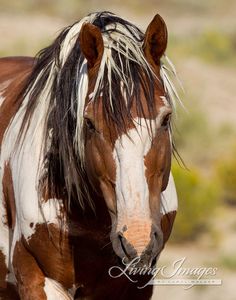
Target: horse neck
(98, 216)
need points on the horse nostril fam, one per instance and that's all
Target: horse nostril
(124, 245)
(157, 239)
(121, 238)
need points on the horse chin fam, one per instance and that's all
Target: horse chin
(139, 262)
(139, 265)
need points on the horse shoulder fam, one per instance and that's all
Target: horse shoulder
(12, 66)
(14, 72)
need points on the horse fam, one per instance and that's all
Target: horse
(86, 147)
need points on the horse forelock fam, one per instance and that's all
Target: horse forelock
(58, 88)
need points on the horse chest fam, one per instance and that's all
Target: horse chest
(74, 257)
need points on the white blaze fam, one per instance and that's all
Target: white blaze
(131, 184)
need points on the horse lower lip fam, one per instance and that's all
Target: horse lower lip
(141, 265)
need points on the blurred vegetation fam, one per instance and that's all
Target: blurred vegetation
(198, 198)
(197, 140)
(228, 262)
(192, 128)
(212, 183)
(25, 47)
(226, 171)
(73, 9)
(46, 7)
(210, 45)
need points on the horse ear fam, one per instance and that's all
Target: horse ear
(91, 44)
(155, 40)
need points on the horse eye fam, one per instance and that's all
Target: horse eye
(166, 121)
(90, 125)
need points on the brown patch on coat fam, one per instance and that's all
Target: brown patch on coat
(17, 70)
(4, 85)
(9, 293)
(9, 196)
(30, 278)
(12, 66)
(52, 250)
(7, 290)
(167, 222)
(3, 271)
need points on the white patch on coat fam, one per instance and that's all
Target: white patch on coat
(55, 291)
(169, 199)
(25, 163)
(4, 232)
(4, 229)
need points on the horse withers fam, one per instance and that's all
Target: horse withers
(86, 146)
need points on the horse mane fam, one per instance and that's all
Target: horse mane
(57, 89)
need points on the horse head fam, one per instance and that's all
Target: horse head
(127, 148)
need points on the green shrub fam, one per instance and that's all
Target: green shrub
(226, 171)
(215, 46)
(193, 135)
(197, 201)
(228, 262)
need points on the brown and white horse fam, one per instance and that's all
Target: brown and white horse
(85, 143)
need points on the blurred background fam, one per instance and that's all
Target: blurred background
(202, 45)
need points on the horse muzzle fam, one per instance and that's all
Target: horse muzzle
(138, 244)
